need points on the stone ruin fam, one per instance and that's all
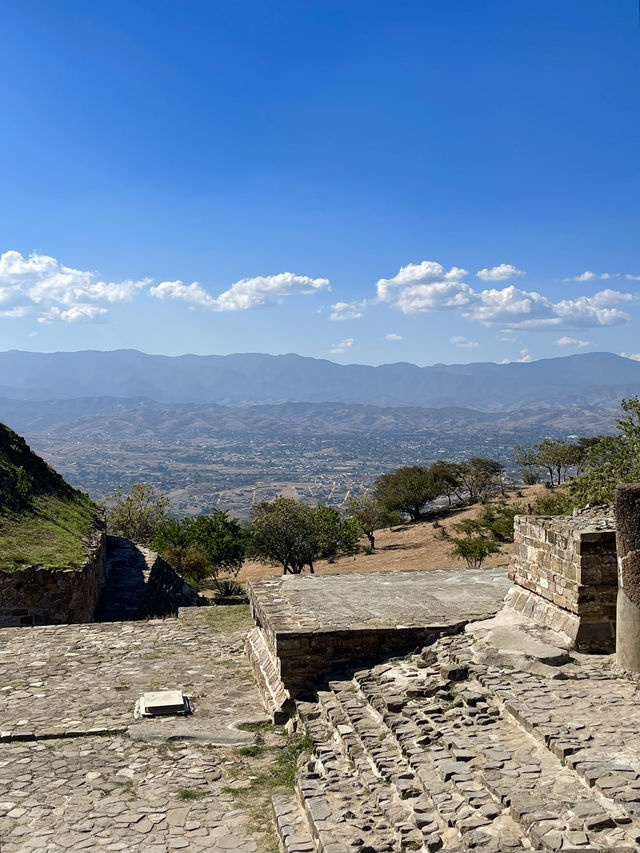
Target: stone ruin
(565, 576)
(417, 738)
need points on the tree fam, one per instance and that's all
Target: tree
(407, 490)
(478, 474)
(202, 546)
(528, 458)
(335, 533)
(475, 544)
(370, 516)
(611, 459)
(497, 520)
(295, 535)
(557, 455)
(447, 475)
(138, 514)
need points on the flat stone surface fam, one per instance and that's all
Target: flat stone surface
(91, 778)
(73, 679)
(508, 637)
(382, 600)
(163, 702)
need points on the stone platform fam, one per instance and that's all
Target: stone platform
(308, 627)
(79, 773)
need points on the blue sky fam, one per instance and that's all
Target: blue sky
(362, 181)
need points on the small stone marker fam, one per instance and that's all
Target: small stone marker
(163, 702)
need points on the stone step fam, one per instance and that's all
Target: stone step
(292, 825)
(455, 801)
(343, 814)
(483, 751)
(277, 701)
(371, 747)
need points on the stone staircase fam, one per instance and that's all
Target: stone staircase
(266, 668)
(435, 751)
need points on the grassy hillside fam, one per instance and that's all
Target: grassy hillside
(43, 520)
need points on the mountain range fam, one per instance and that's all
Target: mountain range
(585, 380)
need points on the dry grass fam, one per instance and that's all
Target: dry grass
(406, 548)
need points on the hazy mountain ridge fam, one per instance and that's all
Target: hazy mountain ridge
(138, 417)
(589, 379)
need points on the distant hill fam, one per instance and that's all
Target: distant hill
(43, 520)
(82, 418)
(589, 379)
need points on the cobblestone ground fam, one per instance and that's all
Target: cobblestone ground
(76, 771)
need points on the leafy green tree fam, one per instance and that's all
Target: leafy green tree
(528, 458)
(407, 490)
(611, 459)
(557, 456)
(370, 516)
(497, 520)
(335, 533)
(138, 514)
(288, 532)
(556, 502)
(203, 545)
(447, 474)
(475, 544)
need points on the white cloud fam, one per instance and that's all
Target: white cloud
(393, 337)
(71, 315)
(424, 274)
(193, 294)
(632, 277)
(43, 287)
(512, 308)
(502, 272)
(611, 297)
(565, 341)
(588, 275)
(426, 287)
(634, 356)
(347, 310)
(343, 346)
(460, 341)
(524, 355)
(244, 294)
(508, 339)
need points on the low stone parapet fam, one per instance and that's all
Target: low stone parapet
(310, 626)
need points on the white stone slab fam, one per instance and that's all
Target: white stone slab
(162, 702)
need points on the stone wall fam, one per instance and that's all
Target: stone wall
(166, 591)
(38, 596)
(564, 572)
(305, 659)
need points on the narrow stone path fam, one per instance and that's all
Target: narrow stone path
(127, 573)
